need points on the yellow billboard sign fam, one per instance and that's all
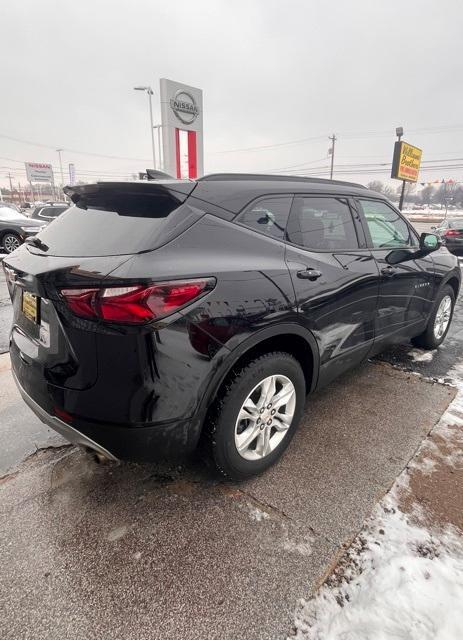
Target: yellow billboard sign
(406, 162)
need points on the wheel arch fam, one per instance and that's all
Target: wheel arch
(4, 232)
(291, 338)
(454, 282)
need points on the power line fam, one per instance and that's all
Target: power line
(68, 150)
(355, 135)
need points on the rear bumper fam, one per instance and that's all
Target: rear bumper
(68, 432)
(143, 444)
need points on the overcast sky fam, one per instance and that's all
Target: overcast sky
(272, 72)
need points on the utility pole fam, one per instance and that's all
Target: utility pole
(331, 152)
(9, 176)
(61, 168)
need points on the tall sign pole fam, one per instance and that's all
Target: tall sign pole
(406, 163)
(399, 133)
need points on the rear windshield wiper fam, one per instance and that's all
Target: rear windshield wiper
(37, 243)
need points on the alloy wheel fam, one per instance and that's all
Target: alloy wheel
(10, 243)
(265, 417)
(443, 315)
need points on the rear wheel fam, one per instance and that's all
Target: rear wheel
(439, 320)
(257, 414)
(11, 241)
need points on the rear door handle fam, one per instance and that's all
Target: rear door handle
(309, 274)
(388, 271)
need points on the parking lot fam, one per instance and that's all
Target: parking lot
(150, 551)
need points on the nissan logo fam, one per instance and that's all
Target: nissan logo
(184, 106)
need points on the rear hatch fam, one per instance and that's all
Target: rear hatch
(109, 224)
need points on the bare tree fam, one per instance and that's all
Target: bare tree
(427, 194)
(376, 185)
(389, 191)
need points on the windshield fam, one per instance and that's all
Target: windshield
(10, 214)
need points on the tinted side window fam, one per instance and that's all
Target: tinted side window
(322, 224)
(386, 227)
(268, 216)
(52, 212)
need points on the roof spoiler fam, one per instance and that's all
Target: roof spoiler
(175, 189)
(154, 174)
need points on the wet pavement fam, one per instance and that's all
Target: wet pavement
(21, 432)
(144, 551)
(6, 314)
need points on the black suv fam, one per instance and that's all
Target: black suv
(153, 315)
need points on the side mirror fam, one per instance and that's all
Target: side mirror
(429, 242)
(433, 228)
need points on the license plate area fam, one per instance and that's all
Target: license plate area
(30, 306)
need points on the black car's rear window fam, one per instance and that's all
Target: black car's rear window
(116, 225)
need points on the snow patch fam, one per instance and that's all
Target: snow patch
(401, 581)
(424, 465)
(117, 533)
(418, 355)
(257, 514)
(303, 548)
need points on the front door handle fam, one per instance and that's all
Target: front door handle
(388, 271)
(309, 274)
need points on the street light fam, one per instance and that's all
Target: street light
(149, 91)
(159, 128)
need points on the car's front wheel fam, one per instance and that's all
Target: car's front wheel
(11, 241)
(256, 415)
(439, 320)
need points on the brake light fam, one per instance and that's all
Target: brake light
(135, 304)
(452, 233)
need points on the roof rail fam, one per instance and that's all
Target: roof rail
(225, 177)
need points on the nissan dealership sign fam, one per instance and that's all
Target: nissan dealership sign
(182, 129)
(39, 172)
(184, 106)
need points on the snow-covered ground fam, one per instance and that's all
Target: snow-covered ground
(434, 212)
(402, 577)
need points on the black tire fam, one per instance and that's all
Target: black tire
(14, 238)
(428, 339)
(221, 427)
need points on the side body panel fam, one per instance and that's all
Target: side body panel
(339, 308)
(406, 294)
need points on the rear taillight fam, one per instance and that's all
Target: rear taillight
(452, 233)
(135, 304)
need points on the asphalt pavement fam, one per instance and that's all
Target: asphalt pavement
(157, 551)
(6, 313)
